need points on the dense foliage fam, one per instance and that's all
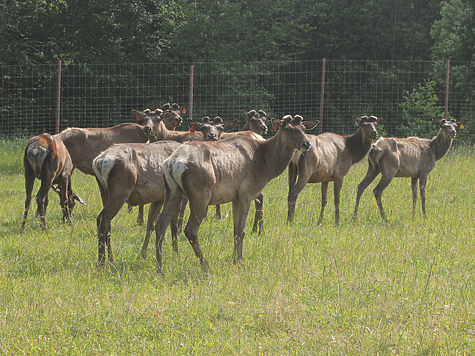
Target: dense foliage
(92, 31)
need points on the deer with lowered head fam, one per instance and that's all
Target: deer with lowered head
(330, 159)
(47, 159)
(411, 157)
(131, 173)
(232, 170)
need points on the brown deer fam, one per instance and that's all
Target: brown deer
(171, 114)
(47, 159)
(85, 144)
(232, 170)
(131, 173)
(255, 122)
(411, 157)
(330, 159)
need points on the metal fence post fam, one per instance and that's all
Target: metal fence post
(447, 75)
(192, 74)
(322, 94)
(58, 96)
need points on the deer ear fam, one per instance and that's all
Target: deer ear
(436, 121)
(138, 114)
(380, 120)
(271, 116)
(277, 123)
(183, 109)
(461, 124)
(195, 124)
(359, 120)
(230, 125)
(310, 124)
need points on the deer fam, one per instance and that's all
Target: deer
(330, 159)
(255, 122)
(46, 158)
(131, 173)
(232, 170)
(85, 144)
(411, 157)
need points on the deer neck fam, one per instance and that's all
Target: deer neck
(245, 127)
(440, 145)
(161, 133)
(358, 145)
(277, 156)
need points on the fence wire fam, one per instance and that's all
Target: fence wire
(101, 95)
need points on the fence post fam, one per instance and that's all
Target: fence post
(58, 96)
(447, 75)
(322, 94)
(192, 74)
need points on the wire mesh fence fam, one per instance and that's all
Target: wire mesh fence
(101, 95)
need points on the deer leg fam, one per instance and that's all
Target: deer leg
(153, 211)
(104, 221)
(423, 184)
(140, 215)
(414, 195)
(240, 212)
(218, 212)
(337, 185)
(42, 197)
(198, 211)
(259, 215)
(302, 181)
(292, 197)
(173, 200)
(182, 214)
(371, 174)
(378, 192)
(29, 183)
(324, 189)
(63, 187)
(174, 230)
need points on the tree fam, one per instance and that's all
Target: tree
(453, 34)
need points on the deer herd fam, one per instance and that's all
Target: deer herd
(152, 163)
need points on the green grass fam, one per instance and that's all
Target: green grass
(402, 287)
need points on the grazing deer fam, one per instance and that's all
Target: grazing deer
(132, 173)
(330, 159)
(232, 170)
(411, 157)
(47, 159)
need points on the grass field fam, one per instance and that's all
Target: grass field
(405, 287)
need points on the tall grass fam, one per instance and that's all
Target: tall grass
(402, 287)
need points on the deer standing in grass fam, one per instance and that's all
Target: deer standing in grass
(131, 173)
(47, 159)
(85, 144)
(411, 157)
(330, 159)
(232, 170)
(255, 122)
